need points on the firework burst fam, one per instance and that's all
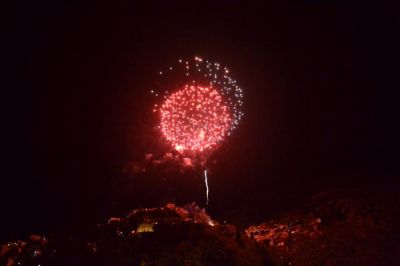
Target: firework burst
(194, 118)
(200, 104)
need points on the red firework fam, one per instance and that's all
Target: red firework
(195, 118)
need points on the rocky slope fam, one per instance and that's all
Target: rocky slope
(335, 228)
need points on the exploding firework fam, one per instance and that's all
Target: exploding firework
(200, 104)
(194, 118)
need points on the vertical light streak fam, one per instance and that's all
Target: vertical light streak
(206, 182)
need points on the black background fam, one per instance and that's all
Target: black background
(321, 106)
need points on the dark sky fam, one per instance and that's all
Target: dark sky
(320, 81)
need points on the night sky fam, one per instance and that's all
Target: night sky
(320, 79)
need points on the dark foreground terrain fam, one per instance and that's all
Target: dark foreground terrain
(335, 228)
